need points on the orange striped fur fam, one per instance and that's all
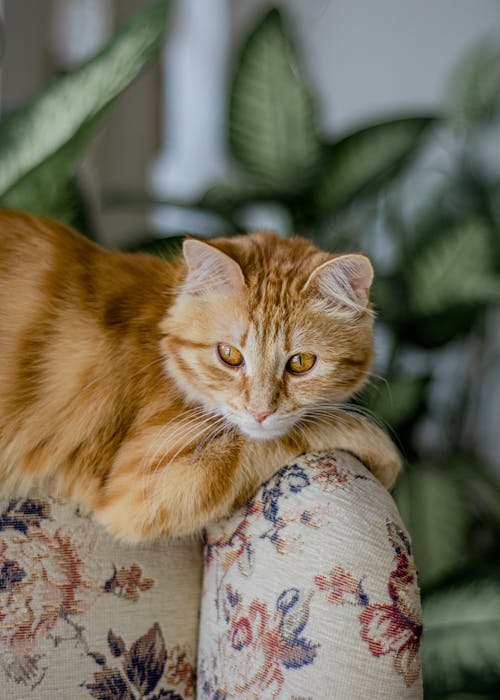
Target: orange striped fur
(112, 392)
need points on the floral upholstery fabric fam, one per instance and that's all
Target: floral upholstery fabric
(309, 591)
(83, 616)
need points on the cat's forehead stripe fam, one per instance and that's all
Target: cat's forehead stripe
(190, 343)
(243, 339)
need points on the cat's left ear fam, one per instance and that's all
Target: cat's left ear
(209, 269)
(346, 279)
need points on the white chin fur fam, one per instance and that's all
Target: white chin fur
(262, 434)
(257, 431)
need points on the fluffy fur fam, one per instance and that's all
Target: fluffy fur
(112, 392)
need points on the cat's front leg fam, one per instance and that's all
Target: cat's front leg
(157, 496)
(151, 494)
(346, 431)
(355, 434)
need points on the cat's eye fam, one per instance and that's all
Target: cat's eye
(230, 355)
(301, 362)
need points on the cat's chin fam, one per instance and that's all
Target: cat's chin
(261, 432)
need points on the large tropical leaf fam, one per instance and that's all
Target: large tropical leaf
(483, 490)
(40, 145)
(51, 188)
(454, 269)
(434, 509)
(474, 89)
(228, 196)
(271, 120)
(365, 159)
(461, 647)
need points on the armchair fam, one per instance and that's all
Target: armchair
(308, 591)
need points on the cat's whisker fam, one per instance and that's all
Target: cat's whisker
(190, 425)
(189, 419)
(214, 434)
(377, 419)
(325, 418)
(334, 409)
(179, 418)
(190, 434)
(350, 408)
(301, 429)
(209, 438)
(194, 437)
(194, 433)
(372, 376)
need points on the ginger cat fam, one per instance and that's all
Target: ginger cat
(160, 394)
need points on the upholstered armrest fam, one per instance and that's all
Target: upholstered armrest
(310, 591)
(83, 616)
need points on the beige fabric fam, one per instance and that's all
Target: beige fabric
(84, 616)
(310, 591)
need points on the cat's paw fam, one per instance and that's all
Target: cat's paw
(385, 465)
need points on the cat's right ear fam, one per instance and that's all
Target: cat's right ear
(211, 270)
(345, 280)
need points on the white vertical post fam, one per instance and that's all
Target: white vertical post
(78, 28)
(194, 66)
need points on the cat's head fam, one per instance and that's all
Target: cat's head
(265, 330)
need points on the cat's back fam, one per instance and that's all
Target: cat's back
(30, 250)
(34, 253)
(42, 260)
(26, 239)
(79, 341)
(58, 288)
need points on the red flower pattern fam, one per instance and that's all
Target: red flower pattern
(387, 628)
(341, 586)
(397, 627)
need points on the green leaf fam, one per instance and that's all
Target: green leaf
(271, 117)
(461, 643)
(434, 509)
(45, 190)
(72, 207)
(365, 159)
(454, 269)
(40, 145)
(228, 196)
(483, 489)
(474, 88)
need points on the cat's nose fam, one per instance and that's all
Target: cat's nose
(260, 416)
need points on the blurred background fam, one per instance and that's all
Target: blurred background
(372, 126)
